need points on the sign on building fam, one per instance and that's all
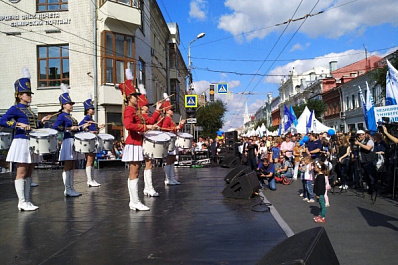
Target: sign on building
(191, 120)
(191, 101)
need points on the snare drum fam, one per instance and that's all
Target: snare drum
(173, 138)
(184, 140)
(43, 141)
(5, 140)
(155, 144)
(105, 141)
(85, 142)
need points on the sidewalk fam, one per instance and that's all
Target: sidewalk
(360, 232)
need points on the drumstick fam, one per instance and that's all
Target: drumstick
(163, 99)
(52, 115)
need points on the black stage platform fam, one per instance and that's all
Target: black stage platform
(188, 224)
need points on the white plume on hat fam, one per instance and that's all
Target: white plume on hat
(25, 72)
(129, 75)
(165, 96)
(89, 96)
(64, 88)
(142, 89)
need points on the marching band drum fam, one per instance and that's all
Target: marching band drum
(43, 141)
(85, 142)
(105, 141)
(184, 140)
(5, 140)
(155, 144)
(172, 141)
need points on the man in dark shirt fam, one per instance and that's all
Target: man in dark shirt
(314, 146)
(252, 150)
(266, 172)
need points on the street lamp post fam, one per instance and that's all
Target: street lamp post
(200, 35)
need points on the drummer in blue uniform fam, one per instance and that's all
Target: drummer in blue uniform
(21, 118)
(68, 125)
(89, 111)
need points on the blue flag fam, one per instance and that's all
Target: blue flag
(363, 105)
(295, 121)
(370, 112)
(310, 122)
(288, 117)
(391, 85)
(280, 129)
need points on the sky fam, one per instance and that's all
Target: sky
(253, 44)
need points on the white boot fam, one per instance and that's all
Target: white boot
(167, 179)
(149, 190)
(71, 172)
(90, 179)
(66, 179)
(135, 203)
(20, 189)
(28, 185)
(171, 174)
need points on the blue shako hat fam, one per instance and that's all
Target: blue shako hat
(22, 85)
(88, 104)
(65, 98)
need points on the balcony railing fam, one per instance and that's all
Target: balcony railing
(131, 3)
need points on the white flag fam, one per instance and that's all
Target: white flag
(391, 85)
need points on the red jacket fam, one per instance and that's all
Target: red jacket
(169, 125)
(134, 125)
(153, 119)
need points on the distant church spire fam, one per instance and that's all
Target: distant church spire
(246, 116)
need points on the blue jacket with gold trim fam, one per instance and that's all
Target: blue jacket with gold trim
(63, 124)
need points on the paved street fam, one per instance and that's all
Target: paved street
(189, 224)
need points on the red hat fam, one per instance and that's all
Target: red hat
(166, 104)
(127, 87)
(142, 99)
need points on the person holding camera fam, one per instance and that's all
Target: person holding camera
(367, 158)
(265, 171)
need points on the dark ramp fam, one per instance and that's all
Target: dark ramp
(188, 224)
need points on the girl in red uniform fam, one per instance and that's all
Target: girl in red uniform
(136, 126)
(143, 105)
(169, 125)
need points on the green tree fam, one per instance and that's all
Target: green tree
(210, 117)
(260, 122)
(313, 104)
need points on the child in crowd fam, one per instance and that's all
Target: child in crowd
(276, 151)
(319, 189)
(307, 177)
(297, 157)
(329, 167)
(277, 165)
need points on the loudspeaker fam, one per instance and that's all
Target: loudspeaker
(237, 172)
(233, 136)
(230, 161)
(310, 247)
(242, 187)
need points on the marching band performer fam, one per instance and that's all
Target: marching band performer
(68, 125)
(169, 125)
(135, 124)
(143, 105)
(89, 111)
(21, 118)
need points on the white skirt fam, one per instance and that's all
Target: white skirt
(67, 151)
(132, 153)
(20, 152)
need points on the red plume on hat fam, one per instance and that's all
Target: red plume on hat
(127, 86)
(142, 99)
(166, 104)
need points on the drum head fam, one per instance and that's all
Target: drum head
(157, 136)
(4, 134)
(85, 136)
(185, 135)
(106, 136)
(172, 135)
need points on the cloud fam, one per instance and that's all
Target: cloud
(298, 46)
(343, 59)
(198, 9)
(257, 18)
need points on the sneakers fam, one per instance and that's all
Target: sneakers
(301, 195)
(317, 217)
(345, 187)
(320, 220)
(311, 201)
(305, 199)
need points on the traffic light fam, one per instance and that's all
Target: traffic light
(191, 112)
(212, 92)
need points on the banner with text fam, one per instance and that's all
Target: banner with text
(387, 111)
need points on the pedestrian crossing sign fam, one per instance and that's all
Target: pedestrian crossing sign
(191, 101)
(222, 88)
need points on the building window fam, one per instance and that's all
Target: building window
(141, 70)
(53, 65)
(51, 5)
(132, 3)
(117, 55)
(347, 103)
(353, 102)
